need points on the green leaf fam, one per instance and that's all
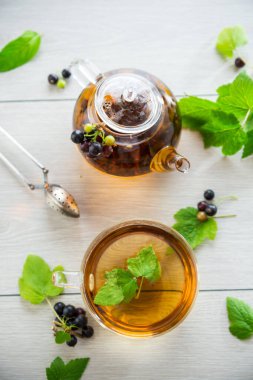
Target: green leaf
(124, 280)
(237, 97)
(194, 231)
(109, 295)
(195, 112)
(229, 39)
(248, 147)
(73, 370)
(19, 51)
(145, 264)
(225, 131)
(62, 337)
(240, 316)
(36, 281)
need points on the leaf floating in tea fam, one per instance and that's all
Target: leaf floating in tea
(121, 285)
(125, 281)
(145, 264)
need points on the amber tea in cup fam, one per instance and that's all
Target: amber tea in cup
(161, 305)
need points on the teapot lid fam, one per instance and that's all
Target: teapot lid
(128, 102)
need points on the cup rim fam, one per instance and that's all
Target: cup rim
(136, 222)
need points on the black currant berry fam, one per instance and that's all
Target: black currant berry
(239, 63)
(69, 311)
(107, 151)
(73, 341)
(81, 321)
(95, 149)
(202, 205)
(52, 78)
(58, 307)
(66, 73)
(209, 194)
(77, 136)
(211, 210)
(80, 311)
(85, 146)
(87, 332)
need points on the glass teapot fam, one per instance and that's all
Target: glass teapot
(138, 110)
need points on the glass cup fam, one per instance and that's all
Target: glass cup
(160, 306)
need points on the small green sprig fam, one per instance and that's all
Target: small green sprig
(93, 131)
(229, 39)
(121, 285)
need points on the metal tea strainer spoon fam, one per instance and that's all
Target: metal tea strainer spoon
(56, 197)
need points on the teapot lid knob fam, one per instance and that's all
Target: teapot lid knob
(128, 102)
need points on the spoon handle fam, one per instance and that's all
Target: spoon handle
(28, 154)
(17, 172)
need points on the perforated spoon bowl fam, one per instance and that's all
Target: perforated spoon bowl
(56, 197)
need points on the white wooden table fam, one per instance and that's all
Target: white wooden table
(175, 41)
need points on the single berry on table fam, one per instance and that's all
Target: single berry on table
(95, 149)
(88, 128)
(61, 83)
(52, 78)
(80, 321)
(87, 332)
(211, 210)
(209, 194)
(107, 151)
(58, 307)
(66, 73)
(77, 136)
(80, 311)
(73, 341)
(239, 63)
(201, 216)
(85, 146)
(69, 311)
(109, 140)
(202, 205)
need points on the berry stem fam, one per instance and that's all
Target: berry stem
(225, 216)
(220, 200)
(51, 307)
(139, 290)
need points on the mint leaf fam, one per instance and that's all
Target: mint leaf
(196, 111)
(124, 280)
(194, 231)
(73, 370)
(238, 98)
(240, 316)
(62, 337)
(19, 51)
(225, 131)
(229, 39)
(109, 295)
(36, 281)
(145, 264)
(248, 147)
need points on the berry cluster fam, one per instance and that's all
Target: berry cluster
(93, 141)
(73, 321)
(206, 208)
(56, 80)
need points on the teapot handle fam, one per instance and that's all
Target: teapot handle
(85, 71)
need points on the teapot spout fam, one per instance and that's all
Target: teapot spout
(168, 159)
